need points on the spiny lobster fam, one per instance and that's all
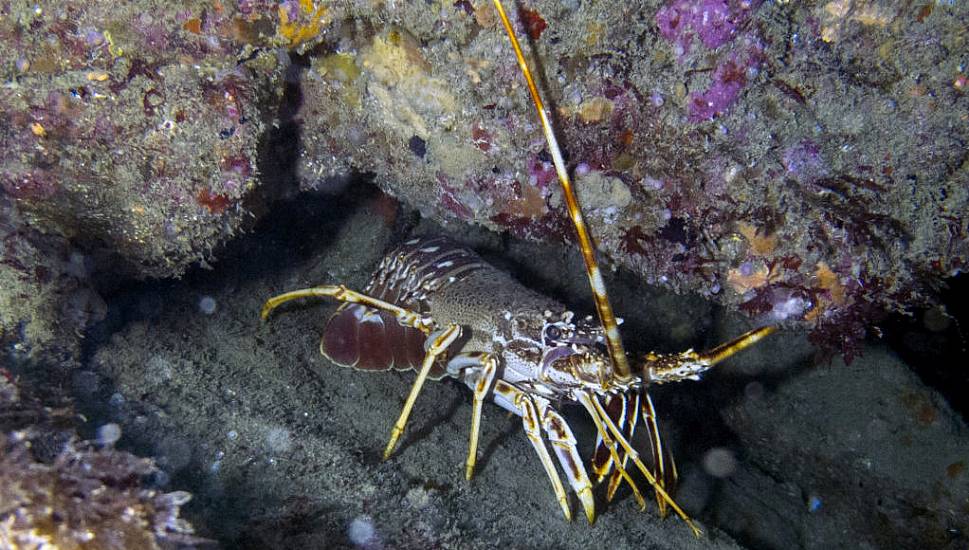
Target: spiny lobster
(438, 308)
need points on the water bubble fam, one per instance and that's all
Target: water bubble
(207, 305)
(232, 435)
(814, 503)
(720, 462)
(116, 400)
(361, 531)
(109, 434)
(278, 440)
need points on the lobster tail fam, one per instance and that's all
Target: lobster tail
(369, 339)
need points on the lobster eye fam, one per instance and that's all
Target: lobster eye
(553, 333)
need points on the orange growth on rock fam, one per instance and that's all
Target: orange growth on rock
(758, 277)
(534, 24)
(296, 32)
(216, 203)
(828, 280)
(760, 244)
(193, 25)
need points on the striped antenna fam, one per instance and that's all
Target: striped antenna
(606, 316)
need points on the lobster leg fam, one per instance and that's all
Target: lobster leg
(663, 466)
(478, 371)
(601, 457)
(404, 316)
(628, 428)
(600, 417)
(610, 445)
(438, 344)
(531, 423)
(566, 449)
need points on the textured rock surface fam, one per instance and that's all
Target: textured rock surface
(803, 161)
(132, 127)
(59, 492)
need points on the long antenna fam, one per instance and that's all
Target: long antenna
(606, 316)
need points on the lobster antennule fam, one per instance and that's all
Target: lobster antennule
(689, 365)
(604, 308)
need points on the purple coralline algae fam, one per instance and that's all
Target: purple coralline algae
(728, 80)
(713, 22)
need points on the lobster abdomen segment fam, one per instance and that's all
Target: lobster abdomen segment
(368, 339)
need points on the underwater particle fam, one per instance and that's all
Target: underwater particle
(207, 305)
(232, 435)
(278, 440)
(417, 146)
(813, 503)
(787, 307)
(116, 400)
(109, 434)
(361, 531)
(720, 462)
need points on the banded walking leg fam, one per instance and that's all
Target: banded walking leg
(664, 468)
(439, 342)
(600, 418)
(566, 449)
(628, 428)
(478, 371)
(531, 422)
(610, 445)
